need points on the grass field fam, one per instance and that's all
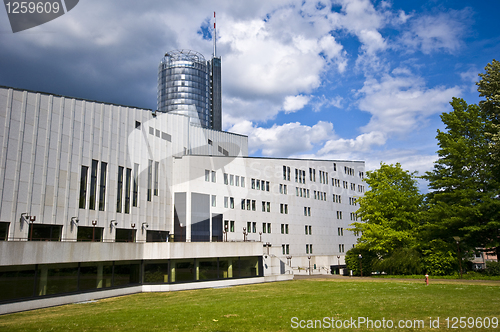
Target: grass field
(271, 307)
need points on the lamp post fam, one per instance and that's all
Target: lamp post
(338, 263)
(94, 223)
(457, 239)
(360, 265)
(309, 258)
(245, 233)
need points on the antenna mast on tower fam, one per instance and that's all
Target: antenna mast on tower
(215, 37)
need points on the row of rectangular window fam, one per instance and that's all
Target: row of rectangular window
(260, 184)
(349, 170)
(229, 202)
(92, 202)
(284, 208)
(354, 216)
(308, 229)
(339, 214)
(284, 228)
(302, 192)
(233, 180)
(158, 133)
(337, 198)
(323, 177)
(320, 195)
(341, 248)
(283, 189)
(307, 211)
(286, 173)
(229, 225)
(340, 231)
(285, 249)
(353, 201)
(300, 176)
(309, 248)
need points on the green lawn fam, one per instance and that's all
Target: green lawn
(270, 307)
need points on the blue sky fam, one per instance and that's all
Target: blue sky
(344, 79)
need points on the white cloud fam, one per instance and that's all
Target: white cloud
(439, 32)
(286, 139)
(295, 103)
(399, 103)
(361, 143)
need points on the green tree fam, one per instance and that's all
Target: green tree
(352, 261)
(464, 201)
(389, 210)
(489, 87)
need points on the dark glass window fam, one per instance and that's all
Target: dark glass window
(85, 233)
(157, 236)
(38, 232)
(119, 190)
(83, 187)
(150, 179)
(249, 266)
(125, 235)
(16, 282)
(4, 231)
(57, 279)
(95, 275)
(157, 168)
(135, 190)
(182, 270)
(128, 180)
(207, 269)
(93, 184)
(126, 273)
(102, 186)
(156, 272)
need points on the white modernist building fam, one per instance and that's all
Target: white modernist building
(98, 200)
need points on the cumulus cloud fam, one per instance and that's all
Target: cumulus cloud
(439, 32)
(295, 103)
(284, 140)
(400, 102)
(361, 143)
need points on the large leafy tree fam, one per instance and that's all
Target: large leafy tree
(464, 201)
(489, 87)
(389, 210)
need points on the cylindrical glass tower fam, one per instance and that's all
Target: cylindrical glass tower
(183, 85)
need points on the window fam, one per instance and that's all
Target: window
(264, 227)
(213, 176)
(102, 186)
(226, 225)
(258, 184)
(296, 175)
(305, 211)
(226, 202)
(269, 227)
(283, 249)
(150, 179)
(226, 181)
(253, 183)
(237, 182)
(248, 204)
(254, 227)
(286, 228)
(287, 249)
(268, 206)
(137, 125)
(308, 211)
(210, 142)
(253, 205)
(249, 227)
(214, 200)
(231, 226)
(267, 185)
(135, 188)
(119, 190)
(339, 214)
(306, 229)
(307, 249)
(83, 187)
(334, 167)
(282, 208)
(157, 170)
(282, 228)
(207, 175)
(284, 172)
(128, 181)
(93, 184)
(242, 182)
(263, 206)
(340, 231)
(243, 204)
(231, 202)
(231, 180)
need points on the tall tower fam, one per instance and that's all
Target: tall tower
(215, 87)
(183, 86)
